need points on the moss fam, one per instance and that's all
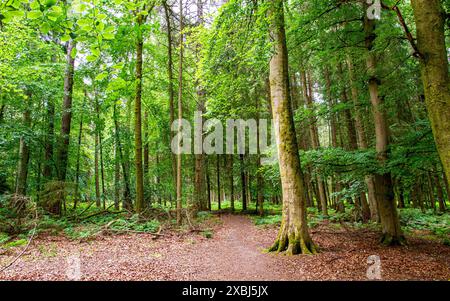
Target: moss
(16, 243)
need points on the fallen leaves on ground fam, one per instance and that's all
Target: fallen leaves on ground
(234, 252)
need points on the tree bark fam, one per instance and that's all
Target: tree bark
(243, 182)
(49, 140)
(96, 172)
(77, 173)
(218, 181)
(66, 119)
(293, 236)
(430, 17)
(126, 203)
(180, 117)
(171, 89)
(139, 205)
(392, 233)
(362, 143)
(24, 151)
(314, 134)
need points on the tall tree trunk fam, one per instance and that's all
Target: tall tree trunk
(259, 177)
(66, 119)
(363, 210)
(171, 89)
(100, 152)
(447, 185)
(430, 17)
(96, 173)
(294, 234)
(116, 177)
(49, 140)
(3, 184)
(362, 143)
(208, 184)
(307, 86)
(440, 192)
(392, 233)
(218, 181)
(77, 173)
(24, 152)
(126, 203)
(139, 205)
(180, 117)
(243, 182)
(146, 158)
(230, 173)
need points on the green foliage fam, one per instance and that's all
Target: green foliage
(4, 238)
(415, 219)
(16, 243)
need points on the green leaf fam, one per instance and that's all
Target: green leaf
(34, 5)
(101, 76)
(45, 28)
(91, 58)
(65, 38)
(73, 53)
(108, 36)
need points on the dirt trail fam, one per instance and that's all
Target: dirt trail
(235, 252)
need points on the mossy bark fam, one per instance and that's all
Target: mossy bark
(429, 16)
(293, 236)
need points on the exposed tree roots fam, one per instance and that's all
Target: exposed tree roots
(293, 243)
(391, 240)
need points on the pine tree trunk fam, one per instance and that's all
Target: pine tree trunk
(429, 16)
(293, 236)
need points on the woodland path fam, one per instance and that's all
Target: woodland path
(235, 252)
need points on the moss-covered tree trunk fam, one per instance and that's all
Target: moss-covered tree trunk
(430, 16)
(384, 193)
(293, 236)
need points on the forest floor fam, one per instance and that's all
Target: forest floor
(233, 251)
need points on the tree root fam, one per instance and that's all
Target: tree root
(293, 245)
(389, 240)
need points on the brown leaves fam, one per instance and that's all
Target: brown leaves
(233, 253)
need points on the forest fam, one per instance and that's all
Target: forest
(224, 140)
